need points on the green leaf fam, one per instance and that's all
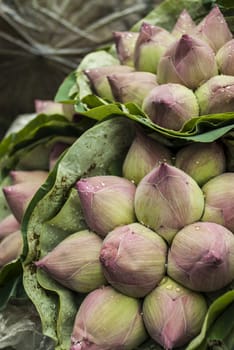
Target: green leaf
(67, 89)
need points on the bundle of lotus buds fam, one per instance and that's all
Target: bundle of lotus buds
(172, 76)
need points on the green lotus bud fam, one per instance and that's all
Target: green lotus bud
(225, 57)
(219, 200)
(125, 45)
(214, 29)
(107, 202)
(170, 105)
(172, 314)
(201, 257)
(132, 87)
(216, 95)
(74, 262)
(10, 248)
(184, 24)
(152, 42)
(99, 82)
(133, 259)
(150, 152)
(189, 61)
(167, 199)
(8, 225)
(18, 196)
(202, 161)
(119, 327)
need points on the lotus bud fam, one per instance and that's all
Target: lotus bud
(214, 29)
(107, 202)
(201, 257)
(8, 225)
(10, 248)
(48, 107)
(119, 327)
(216, 95)
(167, 199)
(133, 259)
(132, 87)
(170, 105)
(18, 196)
(202, 161)
(150, 152)
(219, 200)
(74, 262)
(184, 24)
(56, 151)
(125, 46)
(22, 176)
(173, 315)
(225, 57)
(189, 61)
(99, 82)
(152, 42)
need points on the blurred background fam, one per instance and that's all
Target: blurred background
(41, 41)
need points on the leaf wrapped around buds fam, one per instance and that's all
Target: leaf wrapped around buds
(19, 195)
(216, 95)
(107, 202)
(10, 247)
(170, 105)
(184, 24)
(99, 82)
(132, 87)
(213, 29)
(172, 314)
(219, 200)
(225, 57)
(8, 225)
(201, 257)
(133, 259)
(152, 42)
(189, 61)
(74, 262)
(167, 199)
(119, 327)
(150, 152)
(202, 161)
(125, 45)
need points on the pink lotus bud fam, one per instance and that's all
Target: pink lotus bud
(8, 225)
(184, 24)
(74, 262)
(119, 327)
(125, 46)
(173, 315)
(133, 259)
(201, 257)
(150, 152)
(225, 57)
(152, 42)
(21, 176)
(202, 161)
(189, 61)
(132, 87)
(170, 105)
(10, 248)
(18, 196)
(56, 151)
(48, 107)
(167, 199)
(214, 29)
(99, 82)
(216, 95)
(219, 200)
(107, 202)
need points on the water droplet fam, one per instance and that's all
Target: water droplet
(197, 228)
(178, 289)
(169, 287)
(197, 162)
